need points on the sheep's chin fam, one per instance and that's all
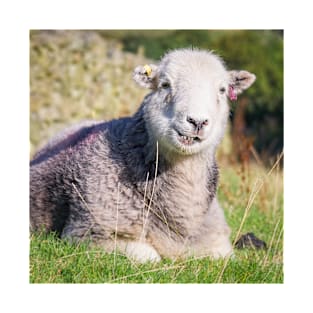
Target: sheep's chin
(189, 149)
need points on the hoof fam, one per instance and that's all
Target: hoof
(249, 240)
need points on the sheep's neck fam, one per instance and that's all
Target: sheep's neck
(182, 194)
(191, 170)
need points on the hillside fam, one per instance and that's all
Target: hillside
(77, 75)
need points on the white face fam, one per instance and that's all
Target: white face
(187, 110)
(187, 116)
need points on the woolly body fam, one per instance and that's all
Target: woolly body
(145, 185)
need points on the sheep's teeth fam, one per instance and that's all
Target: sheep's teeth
(187, 140)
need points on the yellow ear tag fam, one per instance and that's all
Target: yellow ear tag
(148, 69)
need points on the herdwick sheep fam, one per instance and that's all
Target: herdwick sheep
(145, 185)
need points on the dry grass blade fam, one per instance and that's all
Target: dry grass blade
(278, 240)
(257, 187)
(270, 245)
(144, 199)
(152, 192)
(115, 235)
(86, 205)
(276, 164)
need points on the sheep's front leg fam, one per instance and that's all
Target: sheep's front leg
(213, 239)
(137, 251)
(218, 232)
(141, 252)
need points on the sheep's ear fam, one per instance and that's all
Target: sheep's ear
(238, 82)
(146, 76)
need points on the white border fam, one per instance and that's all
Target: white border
(20, 16)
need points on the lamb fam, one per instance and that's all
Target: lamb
(145, 185)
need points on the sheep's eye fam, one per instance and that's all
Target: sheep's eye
(165, 85)
(222, 90)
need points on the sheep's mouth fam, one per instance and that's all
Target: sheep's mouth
(187, 140)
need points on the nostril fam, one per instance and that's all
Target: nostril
(198, 124)
(205, 122)
(191, 121)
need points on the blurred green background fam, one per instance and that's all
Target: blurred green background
(76, 75)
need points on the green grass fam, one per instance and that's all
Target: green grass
(56, 261)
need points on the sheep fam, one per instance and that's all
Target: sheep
(145, 185)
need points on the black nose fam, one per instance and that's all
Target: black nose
(198, 124)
